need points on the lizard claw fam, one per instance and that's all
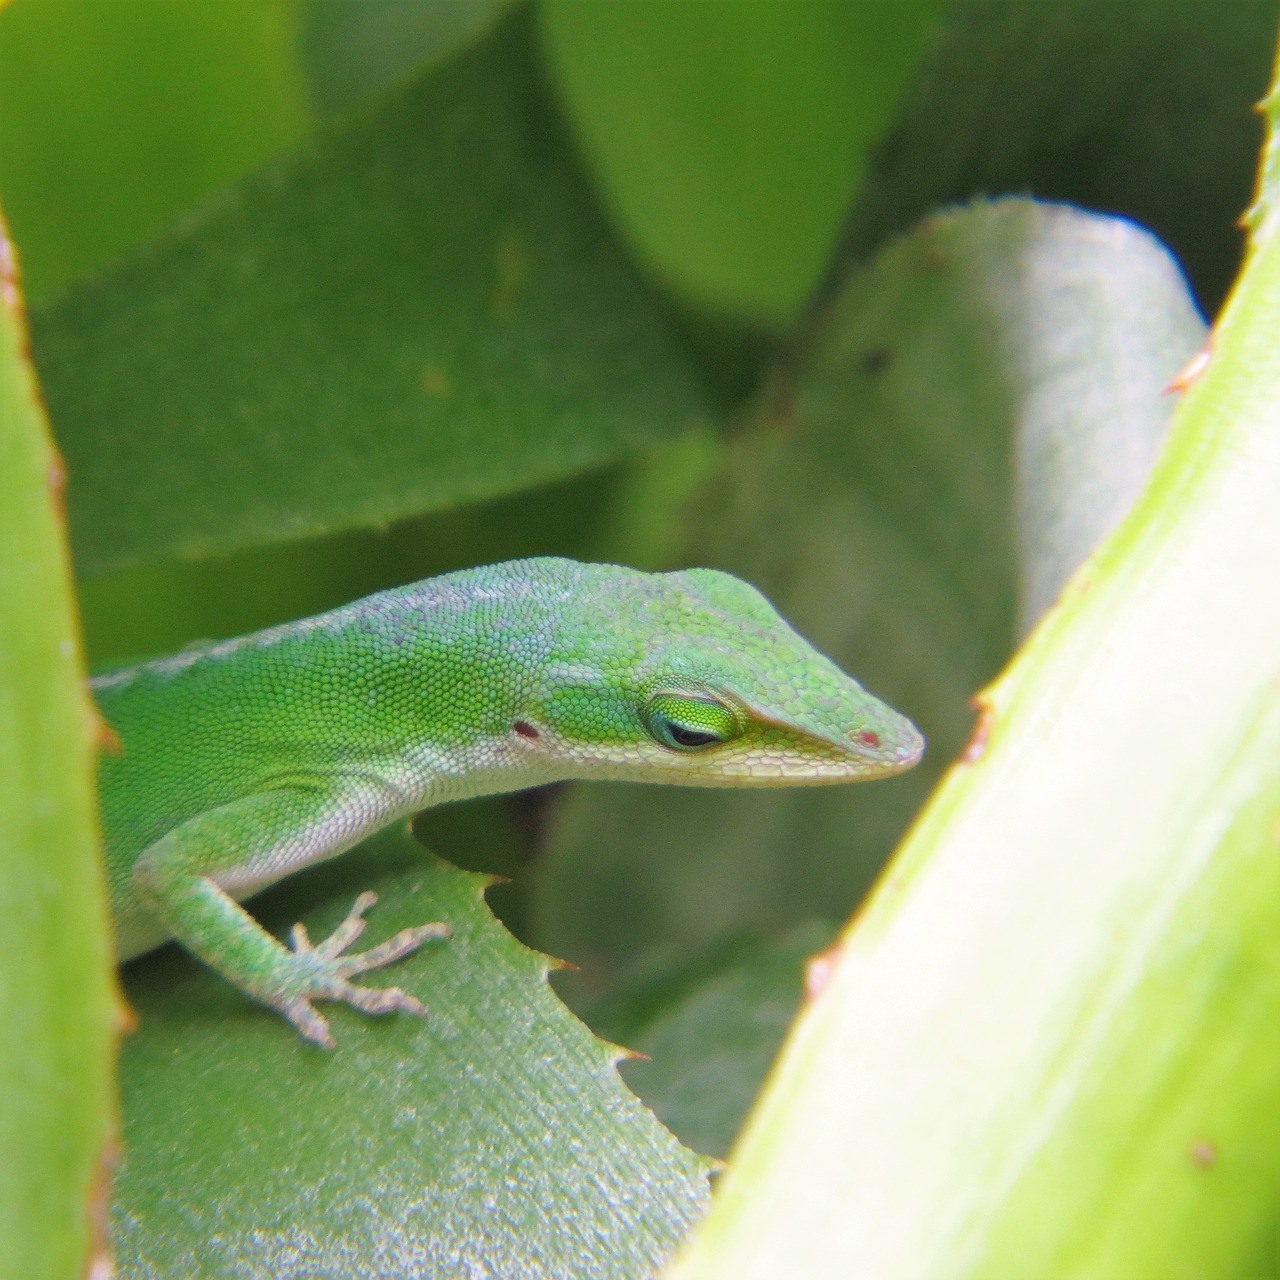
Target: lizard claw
(330, 971)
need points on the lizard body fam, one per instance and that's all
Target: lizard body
(242, 761)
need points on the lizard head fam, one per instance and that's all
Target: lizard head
(693, 677)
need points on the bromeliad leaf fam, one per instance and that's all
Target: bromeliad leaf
(494, 1138)
(57, 1003)
(423, 307)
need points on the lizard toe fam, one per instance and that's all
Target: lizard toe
(380, 999)
(312, 1025)
(395, 948)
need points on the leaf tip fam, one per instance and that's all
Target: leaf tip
(104, 734)
(1192, 371)
(10, 276)
(820, 969)
(980, 736)
(125, 1016)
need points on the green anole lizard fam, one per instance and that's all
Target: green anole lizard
(240, 762)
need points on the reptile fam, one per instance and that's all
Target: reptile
(239, 762)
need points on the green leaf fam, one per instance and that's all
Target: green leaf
(1136, 107)
(730, 137)
(354, 49)
(115, 118)
(57, 1003)
(422, 308)
(493, 1138)
(1062, 1008)
(873, 497)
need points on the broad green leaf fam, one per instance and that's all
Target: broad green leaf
(57, 1003)
(1135, 107)
(117, 116)
(424, 307)
(1051, 1046)
(731, 137)
(493, 1138)
(873, 498)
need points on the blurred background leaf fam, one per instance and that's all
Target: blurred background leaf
(1215, 66)
(117, 115)
(731, 136)
(1142, 108)
(353, 49)
(709, 1028)
(421, 309)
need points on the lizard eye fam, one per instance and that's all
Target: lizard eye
(688, 723)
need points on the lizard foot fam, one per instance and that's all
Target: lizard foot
(329, 971)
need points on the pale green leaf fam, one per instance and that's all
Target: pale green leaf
(58, 1008)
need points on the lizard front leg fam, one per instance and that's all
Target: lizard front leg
(186, 878)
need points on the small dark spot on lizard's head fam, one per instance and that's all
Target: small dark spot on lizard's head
(525, 729)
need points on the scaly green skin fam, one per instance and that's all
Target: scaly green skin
(242, 761)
